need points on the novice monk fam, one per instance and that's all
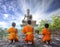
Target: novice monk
(46, 34)
(13, 33)
(28, 30)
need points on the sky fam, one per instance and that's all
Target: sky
(14, 10)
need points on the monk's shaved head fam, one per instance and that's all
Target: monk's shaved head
(46, 25)
(29, 21)
(13, 24)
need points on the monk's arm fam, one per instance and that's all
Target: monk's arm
(16, 31)
(23, 30)
(8, 30)
(43, 32)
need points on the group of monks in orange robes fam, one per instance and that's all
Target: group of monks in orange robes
(28, 30)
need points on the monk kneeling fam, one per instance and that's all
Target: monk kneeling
(46, 34)
(13, 33)
(28, 31)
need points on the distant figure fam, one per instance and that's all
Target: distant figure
(46, 34)
(37, 31)
(28, 30)
(13, 33)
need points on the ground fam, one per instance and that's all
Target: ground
(54, 43)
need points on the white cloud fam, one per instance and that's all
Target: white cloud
(4, 7)
(3, 24)
(5, 16)
(39, 8)
(40, 16)
(37, 12)
(17, 19)
(23, 5)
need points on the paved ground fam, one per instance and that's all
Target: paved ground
(55, 43)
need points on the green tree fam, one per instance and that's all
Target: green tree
(54, 25)
(56, 22)
(41, 26)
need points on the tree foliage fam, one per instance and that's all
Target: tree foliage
(56, 22)
(41, 26)
(54, 25)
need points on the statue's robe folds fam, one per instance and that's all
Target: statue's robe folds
(46, 35)
(12, 34)
(28, 30)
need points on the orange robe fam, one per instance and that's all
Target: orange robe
(46, 35)
(28, 30)
(12, 34)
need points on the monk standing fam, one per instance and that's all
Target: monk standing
(13, 33)
(46, 34)
(28, 30)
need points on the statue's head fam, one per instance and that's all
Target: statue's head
(28, 10)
